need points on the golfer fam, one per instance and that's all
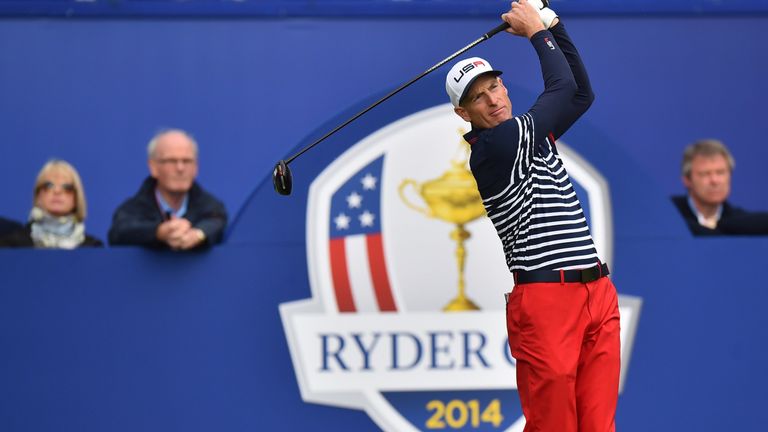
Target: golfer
(562, 315)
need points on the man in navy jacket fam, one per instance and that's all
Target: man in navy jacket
(706, 173)
(170, 210)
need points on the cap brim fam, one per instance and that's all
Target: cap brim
(472, 81)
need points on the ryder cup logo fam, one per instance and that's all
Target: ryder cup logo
(385, 261)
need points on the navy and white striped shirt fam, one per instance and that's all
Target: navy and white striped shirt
(525, 188)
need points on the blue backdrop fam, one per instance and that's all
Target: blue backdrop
(125, 340)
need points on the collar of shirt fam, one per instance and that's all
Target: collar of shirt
(167, 209)
(471, 136)
(703, 221)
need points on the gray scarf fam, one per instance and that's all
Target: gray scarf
(56, 232)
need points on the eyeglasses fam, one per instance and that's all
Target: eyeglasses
(50, 186)
(175, 161)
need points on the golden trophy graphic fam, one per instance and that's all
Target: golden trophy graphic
(453, 198)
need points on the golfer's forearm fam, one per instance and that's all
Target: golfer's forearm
(553, 105)
(583, 98)
(579, 71)
(555, 70)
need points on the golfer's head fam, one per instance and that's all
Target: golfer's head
(477, 93)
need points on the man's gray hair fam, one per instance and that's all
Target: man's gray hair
(707, 148)
(152, 146)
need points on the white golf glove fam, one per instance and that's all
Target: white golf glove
(546, 14)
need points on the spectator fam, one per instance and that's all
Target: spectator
(170, 210)
(706, 173)
(57, 219)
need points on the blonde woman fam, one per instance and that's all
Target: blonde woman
(58, 215)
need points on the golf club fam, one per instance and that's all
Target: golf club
(282, 178)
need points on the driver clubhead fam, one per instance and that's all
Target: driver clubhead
(282, 178)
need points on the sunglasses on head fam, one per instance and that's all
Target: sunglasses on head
(49, 186)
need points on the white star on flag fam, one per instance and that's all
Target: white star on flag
(366, 219)
(369, 182)
(354, 200)
(342, 221)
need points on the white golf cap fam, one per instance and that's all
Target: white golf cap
(463, 74)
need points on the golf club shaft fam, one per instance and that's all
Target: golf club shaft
(486, 36)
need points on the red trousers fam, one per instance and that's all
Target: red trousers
(565, 338)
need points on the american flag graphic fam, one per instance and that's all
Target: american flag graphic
(358, 268)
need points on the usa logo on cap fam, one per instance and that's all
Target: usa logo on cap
(463, 74)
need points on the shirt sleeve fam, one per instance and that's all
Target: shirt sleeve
(554, 104)
(213, 224)
(584, 96)
(505, 156)
(132, 226)
(208, 214)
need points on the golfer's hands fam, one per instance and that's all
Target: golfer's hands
(523, 19)
(548, 16)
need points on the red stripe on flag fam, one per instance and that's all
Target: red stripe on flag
(341, 284)
(379, 273)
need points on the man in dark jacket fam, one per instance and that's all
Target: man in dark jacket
(170, 210)
(706, 173)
